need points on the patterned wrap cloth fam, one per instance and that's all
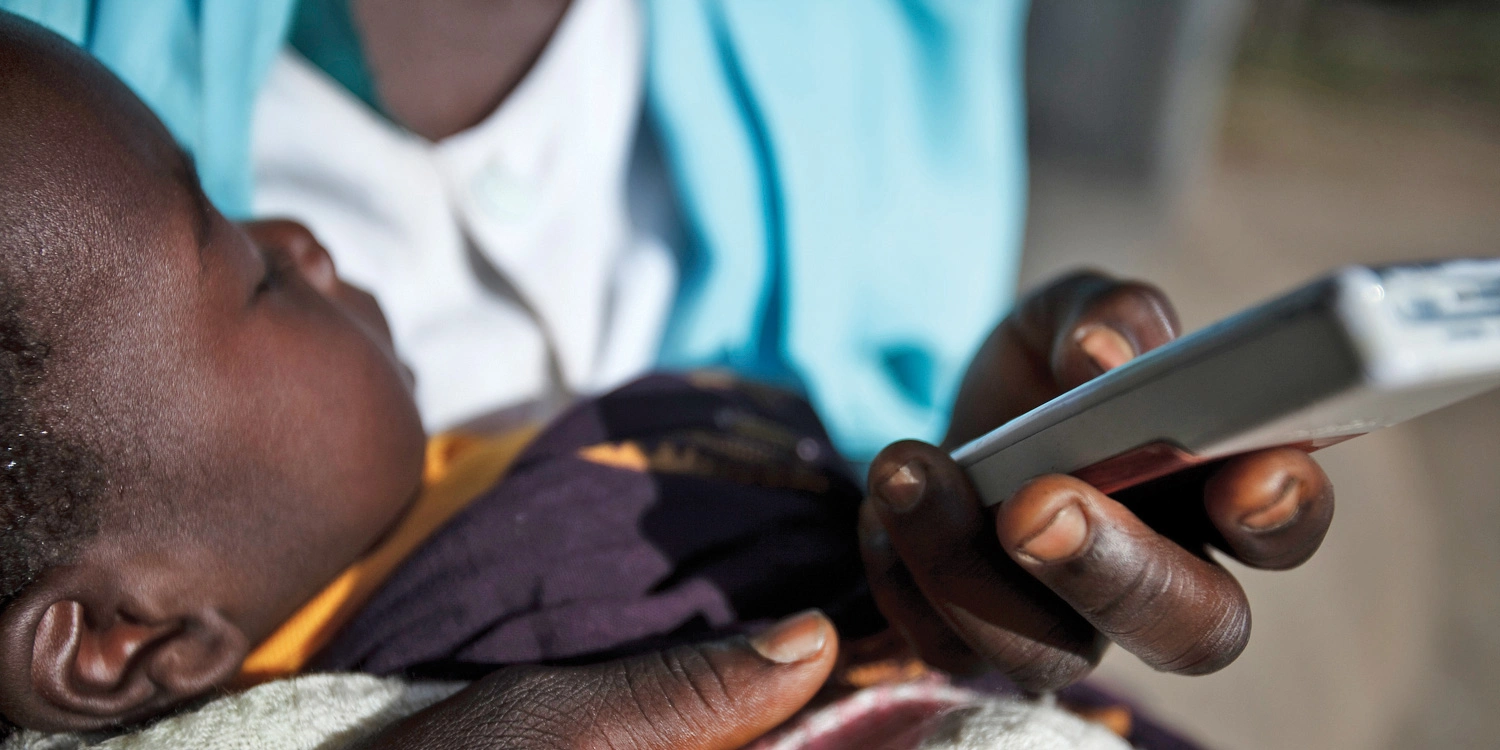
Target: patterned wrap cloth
(671, 510)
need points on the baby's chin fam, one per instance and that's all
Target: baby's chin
(931, 714)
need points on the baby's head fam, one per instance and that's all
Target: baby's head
(200, 425)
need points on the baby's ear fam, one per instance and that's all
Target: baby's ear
(83, 657)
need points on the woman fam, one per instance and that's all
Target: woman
(822, 197)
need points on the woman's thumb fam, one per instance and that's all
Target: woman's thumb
(716, 696)
(711, 696)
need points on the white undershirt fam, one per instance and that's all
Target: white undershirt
(505, 257)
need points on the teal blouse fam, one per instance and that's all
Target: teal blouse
(852, 174)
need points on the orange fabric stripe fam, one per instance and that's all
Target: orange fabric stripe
(459, 467)
(626, 455)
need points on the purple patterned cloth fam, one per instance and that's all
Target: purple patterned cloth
(737, 511)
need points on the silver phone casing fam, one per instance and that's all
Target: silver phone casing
(1342, 356)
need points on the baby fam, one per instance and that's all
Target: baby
(202, 424)
(214, 474)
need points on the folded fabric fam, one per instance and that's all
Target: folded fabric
(670, 509)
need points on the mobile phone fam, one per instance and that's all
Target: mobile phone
(1360, 349)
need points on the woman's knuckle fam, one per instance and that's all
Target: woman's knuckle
(1220, 644)
(657, 699)
(1127, 608)
(1175, 620)
(706, 686)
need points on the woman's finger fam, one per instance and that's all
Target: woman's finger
(1110, 325)
(1176, 610)
(1057, 338)
(1271, 507)
(936, 525)
(901, 602)
(715, 696)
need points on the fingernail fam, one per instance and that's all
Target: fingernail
(1062, 537)
(1106, 346)
(793, 639)
(1280, 512)
(902, 490)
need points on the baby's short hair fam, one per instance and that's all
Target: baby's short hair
(48, 484)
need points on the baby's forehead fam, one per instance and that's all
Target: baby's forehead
(89, 179)
(70, 128)
(98, 219)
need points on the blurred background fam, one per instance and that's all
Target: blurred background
(1228, 150)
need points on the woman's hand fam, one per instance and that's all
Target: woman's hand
(1038, 588)
(715, 696)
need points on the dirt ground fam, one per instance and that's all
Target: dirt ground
(1390, 638)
